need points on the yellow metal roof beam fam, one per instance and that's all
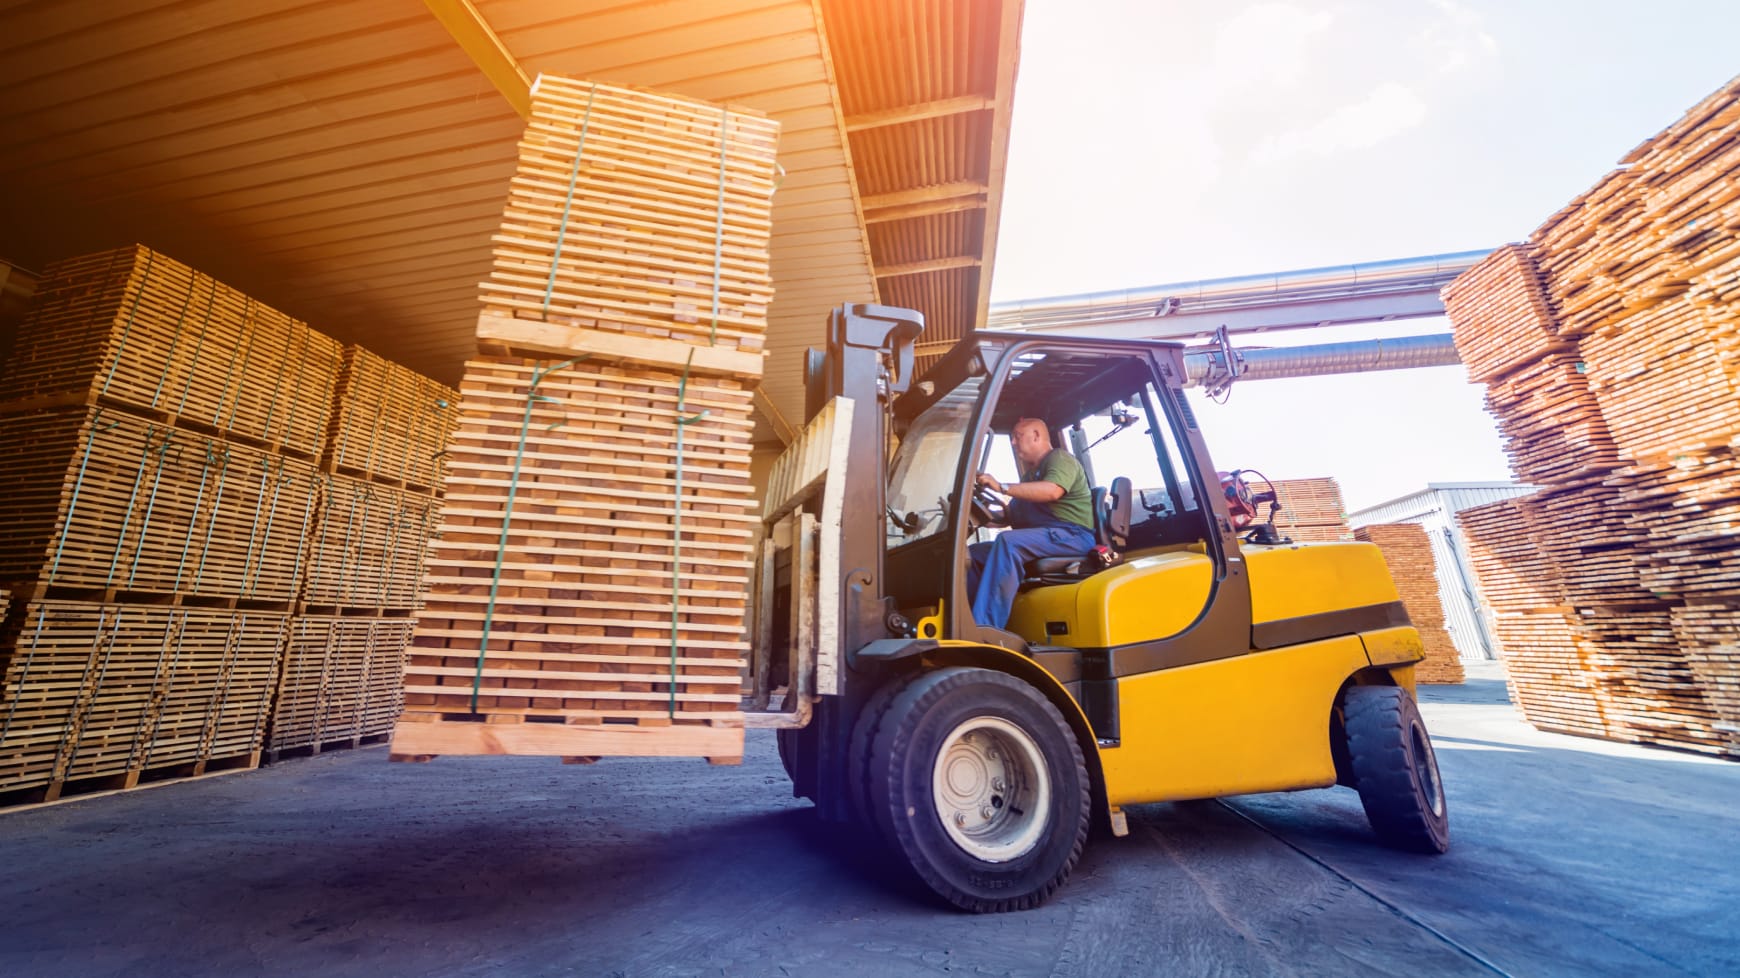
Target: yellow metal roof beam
(948, 205)
(916, 113)
(479, 41)
(924, 195)
(929, 265)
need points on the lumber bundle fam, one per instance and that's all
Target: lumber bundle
(590, 583)
(1517, 326)
(1637, 447)
(638, 213)
(390, 423)
(98, 498)
(341, 682)
(1311, 510)
(101, 695)
(368, 545)
(1408, 553)
(137, 329)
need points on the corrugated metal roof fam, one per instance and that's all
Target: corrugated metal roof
(347, 161)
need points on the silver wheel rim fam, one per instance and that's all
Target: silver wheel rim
(991, 789)
(1426, 769)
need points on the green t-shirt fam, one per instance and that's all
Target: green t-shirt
(1060, 468)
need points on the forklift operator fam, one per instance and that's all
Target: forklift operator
(1050, 515)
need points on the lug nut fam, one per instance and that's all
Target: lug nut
(986, 811)
(960, 818)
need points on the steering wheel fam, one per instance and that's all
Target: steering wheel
(987, 509)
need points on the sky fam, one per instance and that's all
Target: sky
(1168, 141)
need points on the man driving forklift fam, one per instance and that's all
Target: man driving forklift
(1050, 514)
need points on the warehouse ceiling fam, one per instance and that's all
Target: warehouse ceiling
(347, 161)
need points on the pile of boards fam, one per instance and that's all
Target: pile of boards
(1311, 510)
(1408, 553)
(1609, 342)
(162, 437)
(589, 587)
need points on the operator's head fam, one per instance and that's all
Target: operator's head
(1031, 440)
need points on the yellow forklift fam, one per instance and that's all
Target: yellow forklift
(1194, 653)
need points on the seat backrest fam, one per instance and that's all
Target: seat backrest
(1114, 518)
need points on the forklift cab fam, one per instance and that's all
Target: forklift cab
(1119, 408)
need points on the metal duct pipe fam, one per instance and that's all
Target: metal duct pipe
(1323, 359)
(1426, 273)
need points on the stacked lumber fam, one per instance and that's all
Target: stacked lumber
(1408, 552)
(341, 682)
(99, 498)
(1311, 510)
(1503, 293)
(137, 329)
(102, 695)
(390, 423)
(368, 546)
(590, 582)
(1631, 422)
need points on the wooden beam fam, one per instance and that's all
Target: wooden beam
(775, 418)
(915, 113)
(924, 195)
(904, 212)
(473, 34)
(1008, 53)
(537, 338)
(931, 265)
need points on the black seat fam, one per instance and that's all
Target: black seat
(1111, 530)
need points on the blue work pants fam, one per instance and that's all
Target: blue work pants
(995, 571)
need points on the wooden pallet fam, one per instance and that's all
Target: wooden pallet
(632, 212)
(1408, 553)
(99, 498)
(368, 545)
(557, 578)
(342, 682)
(137, 328)
(390, 424)
(95, 691)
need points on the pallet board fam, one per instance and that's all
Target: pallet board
(640, 213)
(136, 328)
(102, 690)
(100, 498)
(1408, 553)
(341, 681)
(368, 545)
(390, 423)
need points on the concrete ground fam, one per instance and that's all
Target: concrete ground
(1569, 857)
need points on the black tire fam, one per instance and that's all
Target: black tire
(864, 730)
(1395, 769)
(984, 737)
(787, 740)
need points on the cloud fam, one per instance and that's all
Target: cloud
(1456, 40)
(1386, 111)
(1268, 44)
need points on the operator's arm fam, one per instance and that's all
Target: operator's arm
(1038, 491)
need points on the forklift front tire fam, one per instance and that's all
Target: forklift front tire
(978, 781)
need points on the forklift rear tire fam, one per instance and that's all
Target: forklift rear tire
(979, 783)
(1395, 769)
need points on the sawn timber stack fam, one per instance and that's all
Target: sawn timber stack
(589, 587)
(1409, 555)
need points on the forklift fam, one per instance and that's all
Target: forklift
(1194, 653)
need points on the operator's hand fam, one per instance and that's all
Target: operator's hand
(989, 481)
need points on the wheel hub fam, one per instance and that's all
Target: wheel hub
(991, 789)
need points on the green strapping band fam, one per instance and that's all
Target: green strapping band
(198, 505)
(719, 221)
(532, 398)
(78, 486)
(677, 533)
(198, 348)
(180, 321)
(151, 502)
(568, 202)
(127, 520)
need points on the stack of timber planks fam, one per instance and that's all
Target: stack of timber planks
(377, 504)
(589, 587)
(1408, 553)
(159, 432)
(1311, 510)
(1610, 344)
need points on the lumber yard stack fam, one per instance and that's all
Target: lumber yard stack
(1311, 510)
(1409, 555)
(159, 432)
(377, 503)
(589, 586)
(1609, 342)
